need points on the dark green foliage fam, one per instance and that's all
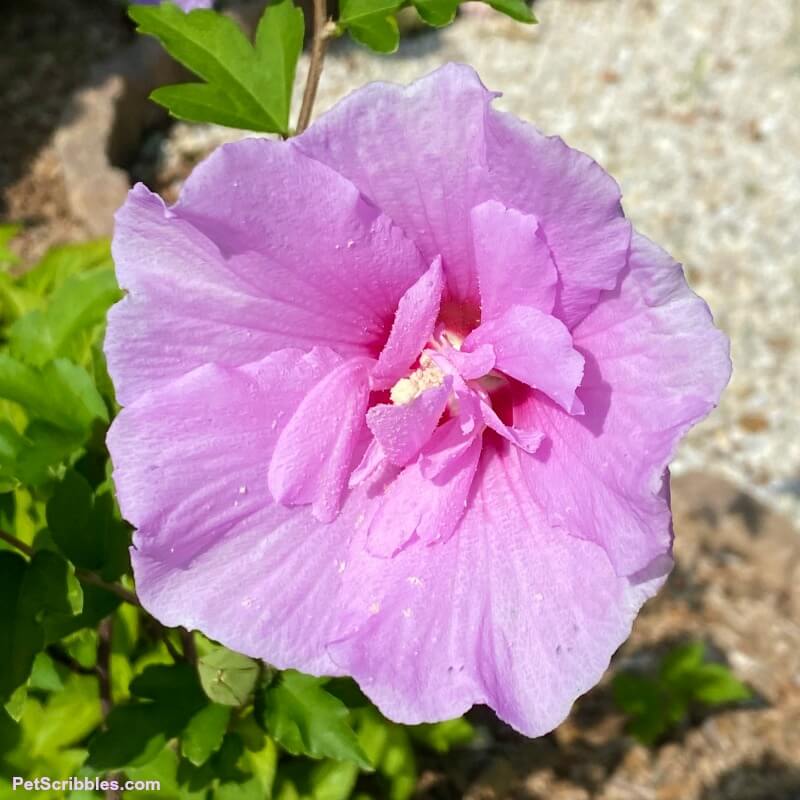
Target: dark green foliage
(658, 703)
(87, 528)
(171, 695)
(21, 635)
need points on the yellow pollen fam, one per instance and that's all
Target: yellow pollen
(427, 376)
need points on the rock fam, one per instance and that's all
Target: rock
(94, 187)
(102, 127)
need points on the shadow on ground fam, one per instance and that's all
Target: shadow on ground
(768, 778)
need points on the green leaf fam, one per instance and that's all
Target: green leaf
(37, 453)
(643, 700)
(8, 231)
(329, 780)
(648, 728)
(100, 373)
(11, 444)
(97, 604)
(59, 263)
(32, 458)
(127, 627)
(634, 693)
(437, 12)
(79, 304)
(226, 761)
(681, 660)
(243, 775)
(348, 691)
(164, 768)
(21, 635)
(44, 675)
(227, 677)
(61, 393)
(305, 719)
(200, 102)
(373, 733)
(332, 780)
(398, 764)
(114, 534)
(137, 732)
(69, 511)
(85, 527)
(516, 9)
(245, 86)
(372, 23)
(278, 44)
(17, 702)
(173, 684)
(70, 716)
(443, 736)
(15, 300)
(134, 735)
(50, 587)
(204, 733)
(9, 732)
(715, 684)
(263, 763)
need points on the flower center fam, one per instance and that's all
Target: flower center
(426, 376)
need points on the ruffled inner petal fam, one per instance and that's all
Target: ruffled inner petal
(470, 365)
(314, 454)
(536, 349)
(526, 439)
(577, 203)
(428, 505)
(412, 327)
(655, 365)
(403, 430)
(513, 260)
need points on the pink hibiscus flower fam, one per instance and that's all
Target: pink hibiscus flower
(184, 5)
(399, 399)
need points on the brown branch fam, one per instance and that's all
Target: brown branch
(16, 543)
(319, 43)
(115, 588)
(171, 649)
(83, 575)
(62, 657)
(158, 631)
(189, 648)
